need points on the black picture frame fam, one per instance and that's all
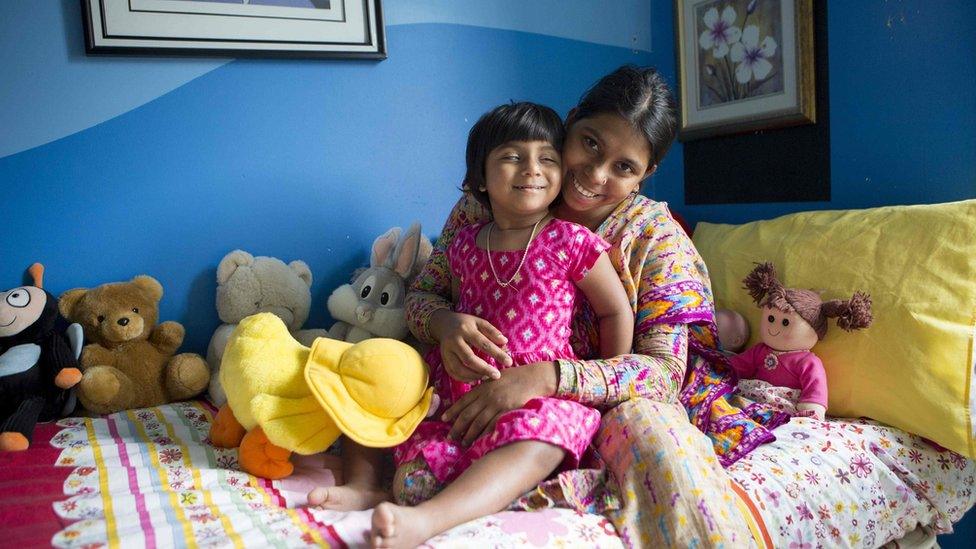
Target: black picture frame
(331, 29)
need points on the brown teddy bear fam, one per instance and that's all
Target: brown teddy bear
(129, 362)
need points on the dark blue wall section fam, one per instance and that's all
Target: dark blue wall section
(902, 120)
(296, 159)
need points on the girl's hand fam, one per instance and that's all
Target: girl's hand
(458, 334)
(476, 412)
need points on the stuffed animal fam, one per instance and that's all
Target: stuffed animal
(129, 362)
(283, 397)
(37, 363)
(247, 285)
(733, 331)
(791, 322)
(373, 304)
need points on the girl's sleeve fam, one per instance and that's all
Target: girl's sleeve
(430, 291)
(585, 249)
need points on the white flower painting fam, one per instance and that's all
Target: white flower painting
(739, 55)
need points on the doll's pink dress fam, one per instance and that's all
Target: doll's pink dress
(535, 313)
(780, 380)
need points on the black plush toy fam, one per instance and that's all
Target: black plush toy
(37, 364)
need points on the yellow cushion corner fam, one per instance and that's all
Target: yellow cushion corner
(913, 368)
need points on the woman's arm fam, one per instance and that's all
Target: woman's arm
(656, 375)
(428, 306)
(606, 295)
(667, 283)
(654, 370)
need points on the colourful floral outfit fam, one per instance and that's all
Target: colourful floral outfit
(535, 313)
(652, 455)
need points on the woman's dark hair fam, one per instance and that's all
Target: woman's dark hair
(522, 121)
(642, 97)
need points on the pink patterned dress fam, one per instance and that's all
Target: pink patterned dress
(535, 312)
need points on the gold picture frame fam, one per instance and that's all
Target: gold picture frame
(744, 65)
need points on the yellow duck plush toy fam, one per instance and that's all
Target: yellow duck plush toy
(283, 397)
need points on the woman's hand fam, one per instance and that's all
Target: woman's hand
(457, 335)
(476, 412)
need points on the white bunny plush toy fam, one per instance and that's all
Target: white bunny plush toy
(373, 304)
(248, 285)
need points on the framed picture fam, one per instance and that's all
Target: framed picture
(285, 28)
(744, 65)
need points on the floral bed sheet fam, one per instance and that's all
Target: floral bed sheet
(850, 483)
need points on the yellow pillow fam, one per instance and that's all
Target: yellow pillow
(913, 368)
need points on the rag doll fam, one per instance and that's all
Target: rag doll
(791, 322)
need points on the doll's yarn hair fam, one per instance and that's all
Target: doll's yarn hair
(766, 290)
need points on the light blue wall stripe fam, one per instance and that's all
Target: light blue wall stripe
(621, 23)
(51, 89)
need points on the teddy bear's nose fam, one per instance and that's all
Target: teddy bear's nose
(123, 321)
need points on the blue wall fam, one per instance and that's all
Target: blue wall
(902, 114)
(902, 118)
(116, 166)
(162, 166)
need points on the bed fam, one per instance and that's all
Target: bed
(150, 478)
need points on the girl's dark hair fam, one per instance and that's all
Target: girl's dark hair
(522, 121)
(642, 97)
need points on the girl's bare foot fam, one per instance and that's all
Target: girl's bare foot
(395, 526)
(348, 497)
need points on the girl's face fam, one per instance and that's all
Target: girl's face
(604, 160)
(786, 331)
(522, 178)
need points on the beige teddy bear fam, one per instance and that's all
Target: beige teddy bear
(129, 361)
(247, 285)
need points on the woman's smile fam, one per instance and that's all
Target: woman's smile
(581, 190)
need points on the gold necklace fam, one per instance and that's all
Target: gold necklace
(525, 253)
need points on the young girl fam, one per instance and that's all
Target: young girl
(521, 272)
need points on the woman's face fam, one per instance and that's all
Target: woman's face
(604, 160)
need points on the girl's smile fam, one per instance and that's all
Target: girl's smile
(522, 178)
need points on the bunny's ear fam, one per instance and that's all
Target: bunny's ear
(230, 263)
(406, 254)
(383, 248)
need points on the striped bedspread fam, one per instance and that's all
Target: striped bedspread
(150, 478)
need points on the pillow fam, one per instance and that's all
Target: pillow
(913, 367)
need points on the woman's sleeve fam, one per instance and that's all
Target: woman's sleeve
(672, 294)
(431, 289)
(654, 370)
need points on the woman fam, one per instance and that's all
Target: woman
(616, 137)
